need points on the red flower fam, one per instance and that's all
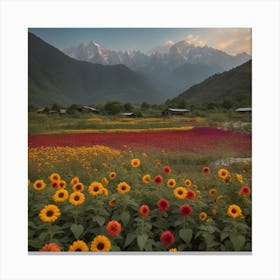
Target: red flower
(51, 247)
(206, 170)
(166, 169)
(167, 238)
(191, 194)
(144, 210)
(163, 204)
(186, 210)
(158, 180)
(245, 190)
(113, 228)
(55, 185)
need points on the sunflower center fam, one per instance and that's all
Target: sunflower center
(233, 211)
(61, 195)
(78, 187)
(76, 198)
(100, 246)
(39, 185)
(180, 192)
(95, 189)
(123, 188)
(78, 250)
(49, 213)
(223, 173)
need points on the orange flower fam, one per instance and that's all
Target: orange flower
(144, 210)
(166, 169)
(113, 228)
(51, 247)
(245, 190)
(206, 170)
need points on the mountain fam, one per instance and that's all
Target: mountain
(234, 85)
(178, 65)
(53, 77)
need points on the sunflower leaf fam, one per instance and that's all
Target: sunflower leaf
(125, 217)
(131, 236)
(186, 234)
(141, 240)
(77, 230)
(100, 220)
(237, 241)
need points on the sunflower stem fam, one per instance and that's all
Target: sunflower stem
(76, 215)
(50, 231)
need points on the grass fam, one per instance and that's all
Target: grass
(38, 123)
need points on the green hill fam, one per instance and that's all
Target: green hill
(234, 85)
(54, 77)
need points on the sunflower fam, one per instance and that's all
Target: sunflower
(180, 192)
(51, 247)
(105, 192)
(112, 202)
(60, 195)
(173, 250)
(123, 188)
(95, 188)
(171, 183)
(49, 213)
(54, 177)
(78, 246)
(77, 198)
(198, 194)
(166, 169)
(245, 190)
(227, 179)
(112, 175)
(190, 195)
(146, 179)
(212, 192)
(186, 210)
(234, 211)
(104, 182)
(202, 216)
(239, 178)
(39, 185)
(113, 228)
(158, 180)
(188, 182)
(167, 238)
(219, 197)
(144, 210)
(78, 187)
(100, 244)
(61, 184)
(206, 170)
(214, 211)
(223, 173)
(75, 180)
(135, 162)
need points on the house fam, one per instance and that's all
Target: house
(129, 115)
(175, 112)
(88, 109)
(43, 110)
(244, 110)
(62, 111)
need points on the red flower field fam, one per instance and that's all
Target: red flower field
(197, 140)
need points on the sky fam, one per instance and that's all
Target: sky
(230, 40)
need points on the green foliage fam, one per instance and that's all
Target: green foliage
(229, 89)
(113, 107)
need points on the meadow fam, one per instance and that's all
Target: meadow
(99, 183)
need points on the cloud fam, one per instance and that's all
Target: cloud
(231, 40)
(195, 40)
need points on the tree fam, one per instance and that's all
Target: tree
(128, 107)
(113, 107)
(145, 106)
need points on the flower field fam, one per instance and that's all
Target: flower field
(208, 140)
(100, 198)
